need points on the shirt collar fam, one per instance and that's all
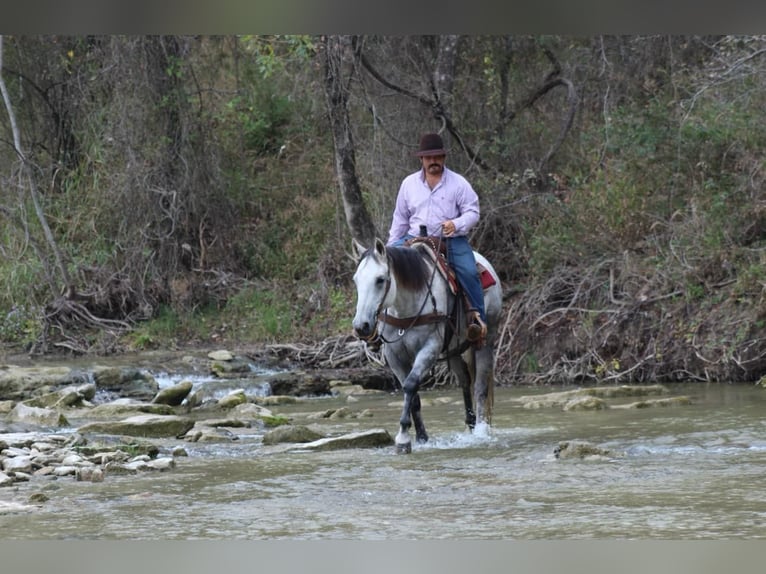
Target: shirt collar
(441, 182)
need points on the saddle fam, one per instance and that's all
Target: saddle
(437, 249)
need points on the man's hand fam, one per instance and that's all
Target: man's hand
(448, 228)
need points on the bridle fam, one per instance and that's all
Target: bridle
(404, 323)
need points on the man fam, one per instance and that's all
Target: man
(445, 203)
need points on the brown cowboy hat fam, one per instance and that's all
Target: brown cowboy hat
(431, 144)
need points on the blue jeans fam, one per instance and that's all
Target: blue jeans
(461, 259)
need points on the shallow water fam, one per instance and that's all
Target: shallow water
(681, 472)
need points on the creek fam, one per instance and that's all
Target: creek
(681, 472)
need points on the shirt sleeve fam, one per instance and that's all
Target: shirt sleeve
(468, 205)
(400, 222)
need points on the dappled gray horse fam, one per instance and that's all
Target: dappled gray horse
(405, 301)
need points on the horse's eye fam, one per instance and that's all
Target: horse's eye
(380, 281)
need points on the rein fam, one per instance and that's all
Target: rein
(405, 323)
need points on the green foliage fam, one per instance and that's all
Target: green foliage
(260, 119)
(261, 315)
(19, 325)
(751, 280)
(292, 227)
(260, 114)
(158, 331)
(271, 421)
(220, 145)
(21, 280)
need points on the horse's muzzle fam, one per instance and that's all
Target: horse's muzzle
(366, 331)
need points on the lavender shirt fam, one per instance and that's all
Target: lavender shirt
(452, 198)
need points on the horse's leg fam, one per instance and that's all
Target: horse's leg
(411, 407)
(410, 413)
(483, 384)
(402, 441)
(417, 418)
(458, 366)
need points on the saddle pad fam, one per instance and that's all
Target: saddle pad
(487, 280)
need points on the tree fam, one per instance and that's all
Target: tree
(26, 180)
(340, 64)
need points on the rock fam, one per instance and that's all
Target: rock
(174, 395)
(74, 460)
(193, 400)
(230, 423)
(221, 355)
(38, 498)
(17, 464)
(275, 420)
(291, 433)
(339, 413)
(610, 392)
(128, 408)
(299, 383)
(38, 416)
(204, 433)
(374, 438)
(88, 391)
(321, 414)
(131, 467)
(681, 400)
(585, 404)
(250, 411)
(20, 383)
(142, 426)
(275, 400)
(161, 464)
(233, 399)
(580, 450)
(128, 383)
(559, 399)
(89, 474)
(231, 368)
(349, 389)
(64, 470)
(342, 413)
(6, 407)
(5, 480)
(67, 397)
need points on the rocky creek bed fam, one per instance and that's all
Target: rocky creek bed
(91, 423)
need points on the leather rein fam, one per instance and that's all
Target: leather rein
(404, 323)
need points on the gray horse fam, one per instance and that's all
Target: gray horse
(406, 302)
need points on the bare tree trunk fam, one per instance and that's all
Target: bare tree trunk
(33, 191)
(444, 73)
(336, 50)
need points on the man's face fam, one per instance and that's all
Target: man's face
(433, 164)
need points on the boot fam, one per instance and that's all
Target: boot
(476, 332)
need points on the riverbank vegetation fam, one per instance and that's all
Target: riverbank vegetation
(165, 191)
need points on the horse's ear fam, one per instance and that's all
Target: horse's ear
(380, 247)
(358, 247)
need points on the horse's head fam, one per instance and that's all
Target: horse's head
(374, 289)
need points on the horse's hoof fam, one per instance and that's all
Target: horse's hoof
(422, 439)
(404, 448)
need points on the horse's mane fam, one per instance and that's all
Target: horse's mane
(409, 266)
